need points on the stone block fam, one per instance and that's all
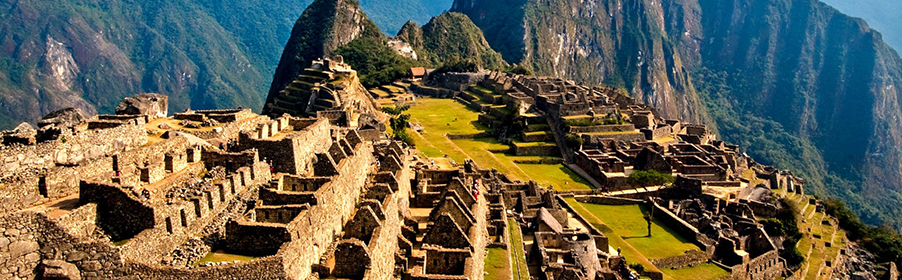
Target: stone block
(151, 105)
(59, 270)
(21, 248)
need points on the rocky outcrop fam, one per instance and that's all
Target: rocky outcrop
(57, 269)
(64, 118)
(152, 105)
(324, 26)
(825, 79)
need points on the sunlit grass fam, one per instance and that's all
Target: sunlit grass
(220, 256)
(444, 116)
(520, 269)
(497, 264)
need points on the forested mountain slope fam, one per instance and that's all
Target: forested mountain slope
(203, 54)
(800, 84)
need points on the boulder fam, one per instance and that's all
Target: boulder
(21, 248)
(64, 118)
(152, 105)
(57, 269)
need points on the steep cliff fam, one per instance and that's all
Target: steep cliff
(323, 27)
(798, 83)
(827, 81)
(882, 15)
(339, 27)
(621, 43)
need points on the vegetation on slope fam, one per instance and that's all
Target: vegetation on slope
(203, 54)
(454, 36)
(375, 62)
(107, 51)
(884, 242)
(816, 104)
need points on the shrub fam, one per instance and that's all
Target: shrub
(520, 70)
(375, 62)
(638, 268)
(574, 141)
(395, 111)
(883, 242)
(642, 178)
(400, 122)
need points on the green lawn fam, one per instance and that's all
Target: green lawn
(628, 222)
(441, 116)
(520, 270)
(704, 271)
(438, 118)
(497, 264)
(556, 175)
(519, 143)
(631, 254)
(619, 225)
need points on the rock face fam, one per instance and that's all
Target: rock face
(323, 27)
(152, 105)
(58, 59)
(797, 82)
(618, 43)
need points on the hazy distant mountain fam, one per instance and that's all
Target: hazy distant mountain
(202, 53)
(883, 15)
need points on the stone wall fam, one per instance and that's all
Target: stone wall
(265, 268)
(314, 230)
(609, 200)
(295, 152)
(455, 81)
(600, 139)
(432, 91)
(602, 128)
(536, 150)
(682, 227)
(30, 237)
(255, 239)
(85, 151)
(690, 258)
(175, 223)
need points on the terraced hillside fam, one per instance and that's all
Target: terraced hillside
(451, 131)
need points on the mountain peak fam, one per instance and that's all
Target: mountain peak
(323, 27)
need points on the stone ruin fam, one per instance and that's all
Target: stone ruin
(716, 201)
(293, 195)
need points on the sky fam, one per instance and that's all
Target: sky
(884, 16)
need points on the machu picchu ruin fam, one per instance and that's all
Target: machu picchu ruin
(560, 181)
(450, 140)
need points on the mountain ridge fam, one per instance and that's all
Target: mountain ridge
(819, 86)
